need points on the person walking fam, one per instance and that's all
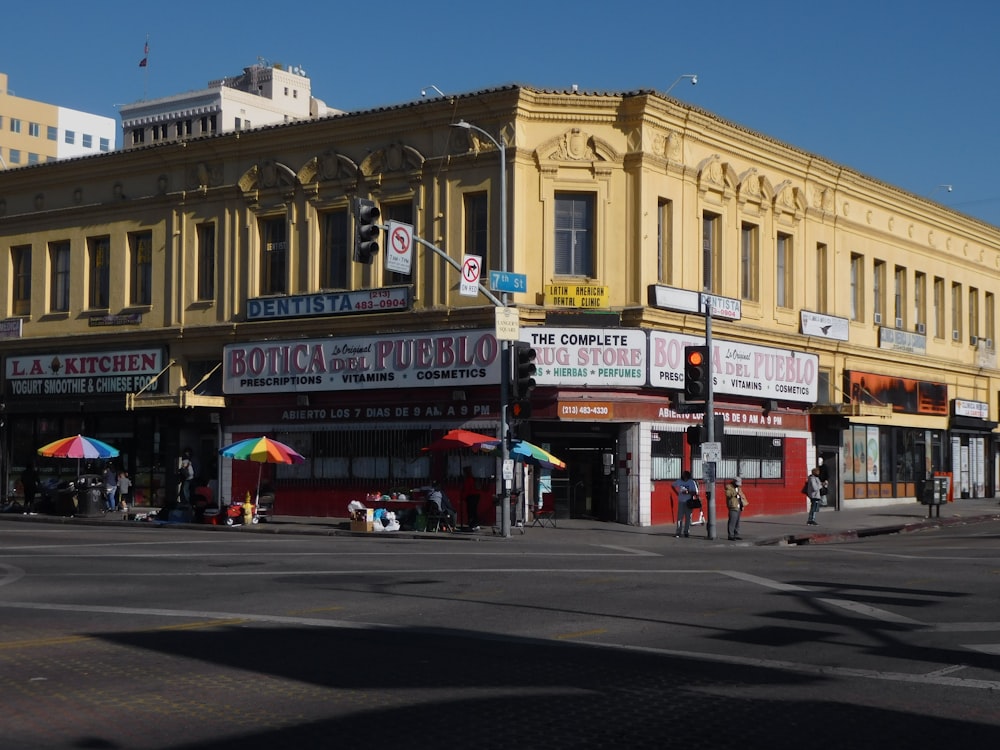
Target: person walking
(736, 501)
(814, 491)
(124, 487)
(29, 485)
(686, 489)
(185, 473)
(110, 485)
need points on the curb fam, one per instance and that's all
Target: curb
(855, 534)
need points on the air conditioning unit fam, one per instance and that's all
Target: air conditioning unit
(899, 323)
(988, 343)
(921, 329)
(955, 336)
(973, 340)
(878, 319)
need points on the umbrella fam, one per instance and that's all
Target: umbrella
(263, 450)
(78, 446)
(458, 439)
(530, 453)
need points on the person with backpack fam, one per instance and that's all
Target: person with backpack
(813, 490)
(185, 473)
(687, 491)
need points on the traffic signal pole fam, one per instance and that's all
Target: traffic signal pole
(709, 469)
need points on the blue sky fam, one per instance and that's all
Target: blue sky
(902, 91)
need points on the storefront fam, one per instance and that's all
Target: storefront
(361, 409)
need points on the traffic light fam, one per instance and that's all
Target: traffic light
(522, 378)
(366, 216)
(522, 369)
(697, 369)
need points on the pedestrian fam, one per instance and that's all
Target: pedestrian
(29, 485)
(814, 491)
(185, 473)
(442, 504)
(471, 495)
(736, 501)
(687, 490)
(124, 487)
(110, 485)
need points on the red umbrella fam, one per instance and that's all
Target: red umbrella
(458, 439)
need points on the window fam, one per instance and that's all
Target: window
(335, 250)
(34, 129)
(70, 137)
(991, 311)
(899, 296)
(88, 141)
(20, 258)
(273, 256)
(878, 291)
(920, 300)
(667, 451)
(184, 127)
(206, 262)
(749, 456)
(52, 133)
(973, 313)
(105, 144)
(665, 241)
(15, 155)
(938, 307)
(32, 158)
(15, 125)
(138, 136)
(822, 279)
(59, 276)
(710, 243)
(574, 238)
(857, 287)
(783, 272)
(477, 227)
(99, 250)
(749, 234)
(141, 256)
(402, 212)
(956, 312)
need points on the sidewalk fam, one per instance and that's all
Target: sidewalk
(834, 526)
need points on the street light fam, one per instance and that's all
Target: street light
(504, 345)
(692, 76)
(423, 91)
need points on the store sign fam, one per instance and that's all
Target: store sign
(592, 357)
(445, 359)
(10, 328)
(819, 325)
(738, 369)
(388, 299)
(90, 374)
(974, 409)
(685, 300)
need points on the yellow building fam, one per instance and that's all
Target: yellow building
(188, 294)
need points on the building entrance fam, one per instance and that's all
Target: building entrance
(588, 486)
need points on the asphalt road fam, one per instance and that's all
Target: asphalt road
(145, 637)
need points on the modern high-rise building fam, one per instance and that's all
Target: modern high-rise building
(32, 132)
(263, 94)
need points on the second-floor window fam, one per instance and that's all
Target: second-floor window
(878, 291)
(574, 239)
(335, 252)
(141, 268)
(783, 296)
(920, 301)
(748, 262)
(273, 256)
(477, 227)
(206, 262)
(665, 241)
(857, 286)
(59, 276)
(99, 250)
(20, 257)
(899, 297)
(822, 278)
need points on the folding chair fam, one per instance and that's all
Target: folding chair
(545, 514)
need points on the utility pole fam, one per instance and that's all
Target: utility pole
(709, 467)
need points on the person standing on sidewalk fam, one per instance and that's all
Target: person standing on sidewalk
(686, 488)
(736, 501)
(814, 491)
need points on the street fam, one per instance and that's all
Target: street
(145, 637)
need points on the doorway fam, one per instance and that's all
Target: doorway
(588, 487)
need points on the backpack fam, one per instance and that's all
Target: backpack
(805, 488)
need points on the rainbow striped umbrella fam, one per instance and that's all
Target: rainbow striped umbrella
(530, 453)
(78, 446)
(263, 450)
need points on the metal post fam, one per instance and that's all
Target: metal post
(504, 345)
(709, 419)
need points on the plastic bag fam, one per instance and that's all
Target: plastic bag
(355, 505)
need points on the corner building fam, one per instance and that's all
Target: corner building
(190, 294)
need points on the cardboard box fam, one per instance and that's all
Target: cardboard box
(363, 520)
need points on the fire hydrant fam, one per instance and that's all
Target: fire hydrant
(247, 510)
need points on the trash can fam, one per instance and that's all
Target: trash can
(90, 499)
